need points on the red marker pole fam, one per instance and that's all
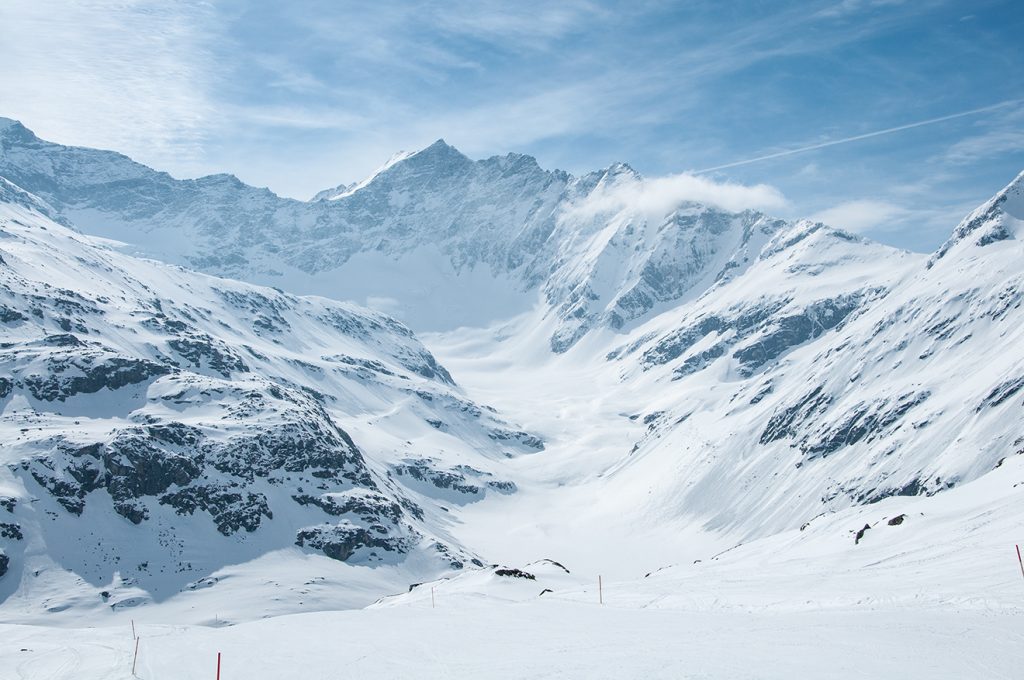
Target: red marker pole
(1020, 562)
(218, 665)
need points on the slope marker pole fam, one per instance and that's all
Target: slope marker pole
(600, 590)
(218, 665)
(431, 597)
(136, 657)
(1020, 562)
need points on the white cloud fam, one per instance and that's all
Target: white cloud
(987, 145)
(387, 305)
(511, 124)
(536, 23)
(862, 215)
(848, 7)
(659, 196)
(129, 75)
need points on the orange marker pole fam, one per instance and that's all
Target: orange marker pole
(218, 665)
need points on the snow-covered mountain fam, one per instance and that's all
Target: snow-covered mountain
(437, 239)
(832, 373)
(698, 377)
(159, 424)
(840, 372)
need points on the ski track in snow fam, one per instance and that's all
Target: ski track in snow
(542, 641)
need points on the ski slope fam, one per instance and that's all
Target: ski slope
(938, 596)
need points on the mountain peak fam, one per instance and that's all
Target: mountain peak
(514, 161)
(10, 127)
(1000, 218)
(440, 150)
(1015, 189)
(619, 170)
(621, 167)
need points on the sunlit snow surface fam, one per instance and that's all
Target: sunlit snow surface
(701, 408)
(938, 596)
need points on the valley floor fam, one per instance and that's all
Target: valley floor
(556, 638)
(572, 504)
(938, 593)
(932, 590)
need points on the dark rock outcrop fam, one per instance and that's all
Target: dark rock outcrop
(340, 541)
(67, 375)
(11, 530)
(514, 573)
(860, 534)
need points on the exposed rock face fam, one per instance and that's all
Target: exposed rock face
(510, 572)
(11, 530)
(461, 483)
(862, 422)
(763, 333)
(269, 433)
(340, 542)
(860, 534)
(1001, 393)
(68, 374)
(177, 464)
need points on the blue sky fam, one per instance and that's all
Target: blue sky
(303, 95)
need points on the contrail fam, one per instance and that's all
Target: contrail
(866, 135)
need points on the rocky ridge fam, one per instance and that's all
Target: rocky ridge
(135, 394)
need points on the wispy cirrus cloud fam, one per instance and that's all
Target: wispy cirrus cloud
(862, 215)
(541, 24)
(131, 75)
(302, 95)
(986, 145)
(848, 7)
(989, 141)
(996, 137)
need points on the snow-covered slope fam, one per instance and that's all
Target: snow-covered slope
(161, 427)
(701, 378)
(838, 374)
(932, 590)
(832, 373)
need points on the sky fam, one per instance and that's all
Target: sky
(307, 94)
